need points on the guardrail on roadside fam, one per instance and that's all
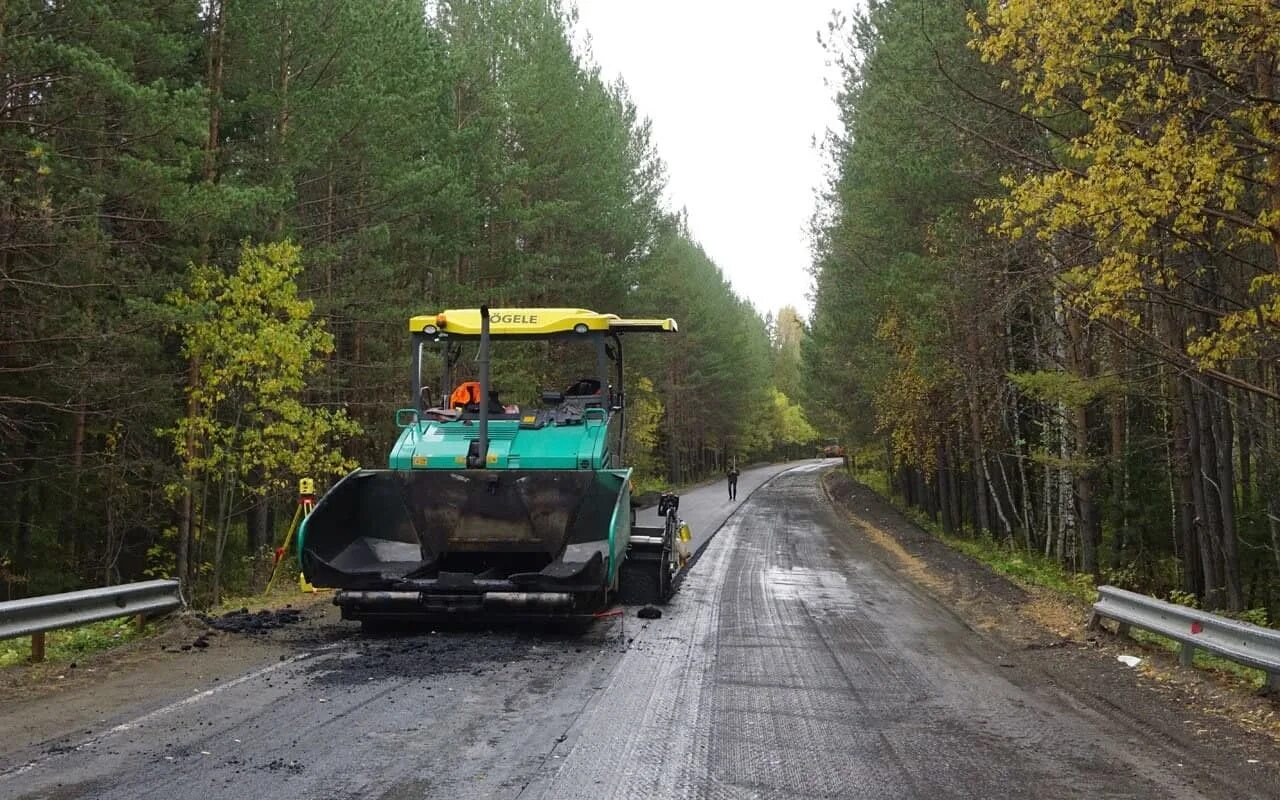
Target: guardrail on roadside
(1193, 629)
(33, 616)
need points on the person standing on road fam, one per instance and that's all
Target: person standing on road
(732, 475)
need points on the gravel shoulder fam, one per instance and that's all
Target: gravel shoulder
(59, 702)
(1042, 639)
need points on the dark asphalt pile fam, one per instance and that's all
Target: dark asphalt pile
(257, 622)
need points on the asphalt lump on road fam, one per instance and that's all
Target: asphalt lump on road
(260, 622)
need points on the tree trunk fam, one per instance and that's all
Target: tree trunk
(22, 545)
(1026, 508)
(220, 541)
(930, 496)
(261, 531)
(1066, 506)
(980, 482)
(213, 78)
(1088, 526)
(1184, 507)
(209, 173)
(1118, 412)
(995, 500)
(1048, 492)
(980, 477)
(186, 510)
(71, 524)
(888, 464)
(953, 490)
(1209, 527)
(283, 114)
(1224, 436)
(1244, 438)
(944, 494)
(1086, 509)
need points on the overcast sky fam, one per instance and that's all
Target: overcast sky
(736, 93)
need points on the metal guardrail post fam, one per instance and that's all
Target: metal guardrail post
(35, 616)
(1250, 645)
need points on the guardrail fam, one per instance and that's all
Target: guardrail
(1193, 629)
(33, 616)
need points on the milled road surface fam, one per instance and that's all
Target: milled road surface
(793, 663)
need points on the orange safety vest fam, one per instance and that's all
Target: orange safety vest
(466, 394)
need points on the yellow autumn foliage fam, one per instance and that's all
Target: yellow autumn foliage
(1167, 129)
(257, 346)
(907, 407)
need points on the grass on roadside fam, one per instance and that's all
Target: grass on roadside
(1005, 557)
(71, 644)
(1026, 568)
(283, 592)
(1249, 676)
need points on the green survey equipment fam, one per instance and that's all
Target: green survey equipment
(495, 509)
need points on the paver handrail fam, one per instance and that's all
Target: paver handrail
(1238, 641)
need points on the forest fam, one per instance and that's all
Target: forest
(1047, 281)
(217, 215)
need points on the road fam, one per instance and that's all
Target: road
(794, 663)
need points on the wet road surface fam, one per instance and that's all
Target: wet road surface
(793, 663)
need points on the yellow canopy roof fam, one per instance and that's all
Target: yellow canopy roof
(534, 322)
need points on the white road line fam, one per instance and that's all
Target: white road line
(163, 711)
(197, 697)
